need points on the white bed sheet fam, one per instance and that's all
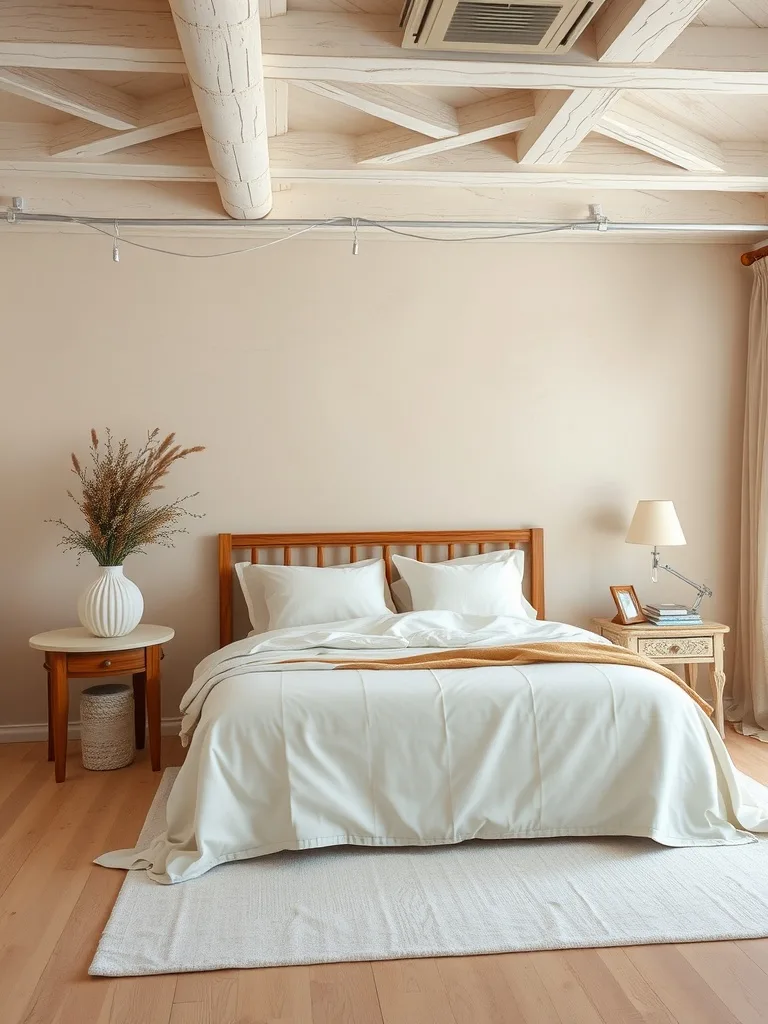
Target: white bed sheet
(291, 757)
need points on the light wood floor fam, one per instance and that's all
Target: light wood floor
(54, 903)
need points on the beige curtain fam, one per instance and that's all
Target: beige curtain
(749, 704)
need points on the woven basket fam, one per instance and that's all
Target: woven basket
(106, 732)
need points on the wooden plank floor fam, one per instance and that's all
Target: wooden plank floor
(54, 903)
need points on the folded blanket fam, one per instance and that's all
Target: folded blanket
(523, 654)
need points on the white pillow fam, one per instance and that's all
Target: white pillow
(402, 595)
(279, 596)
(489, 587)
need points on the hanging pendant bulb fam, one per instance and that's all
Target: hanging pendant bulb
(115, 245)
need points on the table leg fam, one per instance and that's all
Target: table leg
(717, 679)
(57, 666)
(140, 707)
(50, 717)
(153, 704)
(691, 674)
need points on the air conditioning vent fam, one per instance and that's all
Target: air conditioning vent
(495, 26)
(500, 24)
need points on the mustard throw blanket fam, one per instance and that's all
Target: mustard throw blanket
(524, 654)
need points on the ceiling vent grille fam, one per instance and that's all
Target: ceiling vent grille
(500, 24)
(494, 26)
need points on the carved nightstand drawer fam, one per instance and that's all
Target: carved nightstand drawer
(673, 647)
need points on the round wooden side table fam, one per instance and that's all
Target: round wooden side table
(75, 653)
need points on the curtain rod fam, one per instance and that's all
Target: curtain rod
(748, 258)
(602, 225)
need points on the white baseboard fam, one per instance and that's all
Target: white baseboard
(39, 731)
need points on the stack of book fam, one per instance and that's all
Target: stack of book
(671, 615)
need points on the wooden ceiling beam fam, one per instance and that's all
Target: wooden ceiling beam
(635, 30)
(563, 120)
(26, 148)
(109, 36)
(332, 160)
(401, 106)
(276, 96)
(628, 31)
(633, 124)
(516, 74)
(74, 94)
(222, 47)
(597, 164)
(478, 122)
(159, 116)
(361, 48)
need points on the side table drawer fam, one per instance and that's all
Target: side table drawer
(673, 647)
(114, 662)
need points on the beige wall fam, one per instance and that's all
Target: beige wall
(440, 385)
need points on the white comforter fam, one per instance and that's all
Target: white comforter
(290, 757)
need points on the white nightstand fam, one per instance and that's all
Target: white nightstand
(677, 645)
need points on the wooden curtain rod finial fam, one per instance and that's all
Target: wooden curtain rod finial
(748, 258)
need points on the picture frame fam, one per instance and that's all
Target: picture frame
(628, 607)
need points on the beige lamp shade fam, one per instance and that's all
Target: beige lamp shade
(655, 523)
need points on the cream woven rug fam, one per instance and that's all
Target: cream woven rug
(352, 903)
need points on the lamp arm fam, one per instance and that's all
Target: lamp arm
(701, 588)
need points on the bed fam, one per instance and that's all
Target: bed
(286, 752)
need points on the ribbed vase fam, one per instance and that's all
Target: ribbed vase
(112, 605)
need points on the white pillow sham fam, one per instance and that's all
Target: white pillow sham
(281, 596)
(488, 584)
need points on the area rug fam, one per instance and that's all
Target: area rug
(356, 903)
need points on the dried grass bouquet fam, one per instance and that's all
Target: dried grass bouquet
(116, 488)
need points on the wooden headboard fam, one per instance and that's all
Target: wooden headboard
(532, 540)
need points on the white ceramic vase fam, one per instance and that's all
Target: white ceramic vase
(112, 605)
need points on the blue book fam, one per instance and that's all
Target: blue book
(689, 621)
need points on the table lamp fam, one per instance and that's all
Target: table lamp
(655, 523)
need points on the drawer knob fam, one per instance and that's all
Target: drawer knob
(107, 663)
(674, 648)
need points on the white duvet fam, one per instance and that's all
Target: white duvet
(291, 757)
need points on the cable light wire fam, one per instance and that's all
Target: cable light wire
(210, 255)
(473, 238)
(356, 222)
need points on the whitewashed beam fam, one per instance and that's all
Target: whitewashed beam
(636, 30)
(634, 125)
(599, 163)
(108, 36)
(272, 8)
(74, 94)
(641, 30)
(718, 49)
(222, 47)
(302, 157)
(276, 98)
(404, 106)
(113, 37)
(478, 122)
(159, 116)
(26, 148)
(515, 74)
(562, 122)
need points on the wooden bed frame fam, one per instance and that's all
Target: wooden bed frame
(532, 539)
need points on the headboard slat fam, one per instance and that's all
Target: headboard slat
(532, 539)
